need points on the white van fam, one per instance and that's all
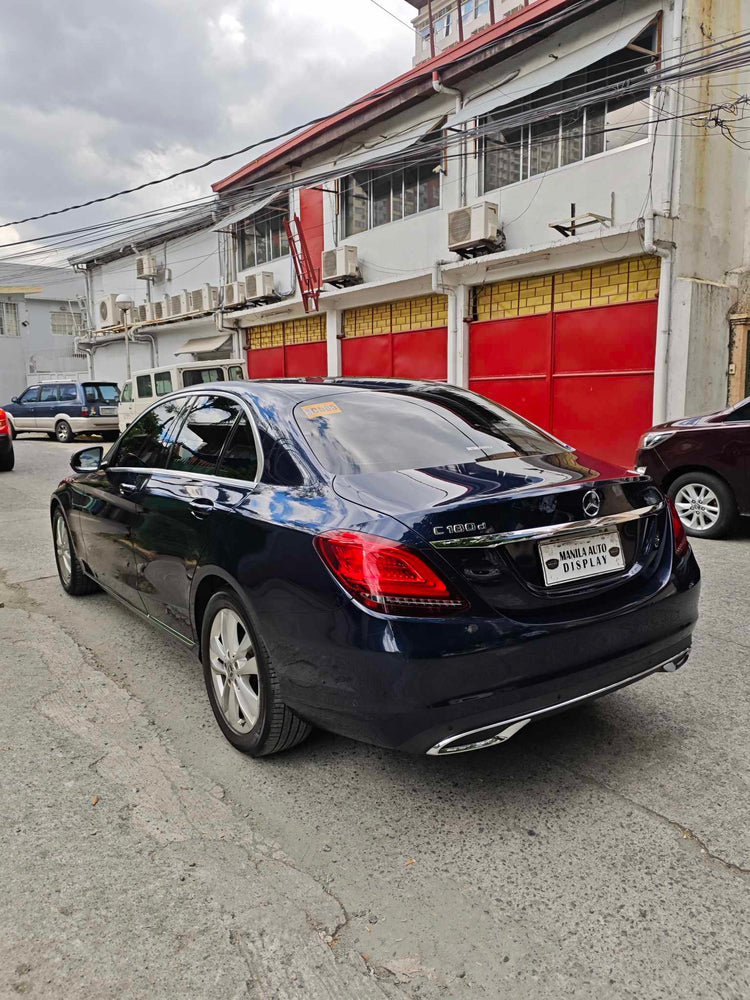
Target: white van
(146, 386)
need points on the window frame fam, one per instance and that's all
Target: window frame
(14, 311)
(189, 395)
(77, 323)
(593, 107)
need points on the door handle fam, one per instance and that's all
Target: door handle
(128, 488)
(201, 507)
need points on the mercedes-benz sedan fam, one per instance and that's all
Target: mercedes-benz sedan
(405, 563)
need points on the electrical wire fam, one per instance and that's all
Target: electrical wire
(395, 17)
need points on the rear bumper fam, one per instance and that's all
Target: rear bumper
(90, 425)
(412, 685)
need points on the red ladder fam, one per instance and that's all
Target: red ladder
(307, 275)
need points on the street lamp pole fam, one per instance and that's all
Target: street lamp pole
(125, 304)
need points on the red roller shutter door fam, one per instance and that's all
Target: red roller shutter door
(296, 360)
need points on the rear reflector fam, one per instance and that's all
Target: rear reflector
(681, 543)
(386, 576)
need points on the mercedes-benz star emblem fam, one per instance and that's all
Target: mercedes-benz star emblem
(592, 503)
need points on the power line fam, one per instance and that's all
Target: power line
(394, 16)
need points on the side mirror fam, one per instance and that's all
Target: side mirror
(14, 399)
(87, 460)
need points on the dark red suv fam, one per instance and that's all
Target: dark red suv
(6, 444)
(703, 463)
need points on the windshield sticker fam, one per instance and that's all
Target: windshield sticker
(313, 410)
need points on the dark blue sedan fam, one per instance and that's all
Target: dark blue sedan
(404, 563)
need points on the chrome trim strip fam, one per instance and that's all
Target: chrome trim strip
(553, 531)
(438, 750)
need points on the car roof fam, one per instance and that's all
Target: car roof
(304, 388)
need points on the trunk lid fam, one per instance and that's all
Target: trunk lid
(484, 521)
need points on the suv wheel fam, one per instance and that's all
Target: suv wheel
(705, 504)
(64, 432)
(241, 682)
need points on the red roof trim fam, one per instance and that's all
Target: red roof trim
(521, 17)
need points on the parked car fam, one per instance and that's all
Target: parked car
(703, 463)
(140, 391)
(404, 563)
(65, 409)
(7, 458)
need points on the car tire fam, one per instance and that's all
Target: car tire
(249, 708)
(64, 432)
(705, 504)
(51, 435)
(7, 461)
(72, 577)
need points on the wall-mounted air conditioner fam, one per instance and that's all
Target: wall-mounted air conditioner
(155, 311)
(259, 286)
(146, 266)
(340, 266)
(140, 314)
(234, 294)
(204, 299)
(179, 305)
(474, 226)
(109, 315)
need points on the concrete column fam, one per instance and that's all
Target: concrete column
(334, 331)
(738, 359)
(458, 336)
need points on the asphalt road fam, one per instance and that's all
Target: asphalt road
(600, 854)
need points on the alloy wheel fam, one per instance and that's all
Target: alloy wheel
(698, 506)
(234, 671)
(62, 548)
(62, 432)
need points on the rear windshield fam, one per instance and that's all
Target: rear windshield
(106, 391)
(414, 429)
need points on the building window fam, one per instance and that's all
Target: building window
(66, 324)
(262, 237)
(9, 326)
(442, 23)
(372, 198)
(515, 154)
(472, 9)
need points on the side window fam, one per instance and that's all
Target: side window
(163, 382)
(144, 387)
(48, 394)
(279, 468)
(147, 442)
(30, 396)
(127, 393)
(742, 413)
(68, 393)
(240, 459)
(204, 434)
(199, 376)
(236, 374)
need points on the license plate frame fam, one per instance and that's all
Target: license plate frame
(581, 557)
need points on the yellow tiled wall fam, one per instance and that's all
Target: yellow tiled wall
(307, 330)
(633, 280)
(422, 313)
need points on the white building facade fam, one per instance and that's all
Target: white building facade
(540, 212)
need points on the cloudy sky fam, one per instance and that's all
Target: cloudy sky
(98, 95)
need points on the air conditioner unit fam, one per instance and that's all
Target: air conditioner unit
(340, 265)
(179, 305)
(140, 314)
(259, 286)
(473, 226)
(109, 315)
(234, 294)
(204, 299)
(155, 311)
(146, 266)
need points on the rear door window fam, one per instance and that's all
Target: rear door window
(144, 387)
(68, 393)
(199, 376)
(203, 435)
(163, 382)
(101, 392)
(48, 394)
(240, 458)
(147, 443)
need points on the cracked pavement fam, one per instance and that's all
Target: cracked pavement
(602, 853)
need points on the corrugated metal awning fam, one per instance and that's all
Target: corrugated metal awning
(203, 345)
(554, 71)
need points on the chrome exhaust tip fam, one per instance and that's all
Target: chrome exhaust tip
(464, 744)
(679, 661)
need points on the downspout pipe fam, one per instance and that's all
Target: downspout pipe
(453, 319)
(439, 87)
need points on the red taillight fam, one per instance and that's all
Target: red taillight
(681, 543)
(84, 411)
(4, 425)
(386, 576)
